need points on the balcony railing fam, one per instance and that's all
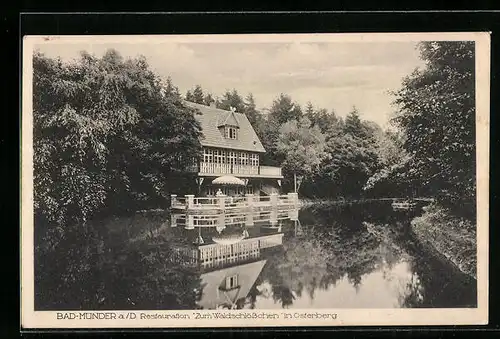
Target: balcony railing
(217, 169)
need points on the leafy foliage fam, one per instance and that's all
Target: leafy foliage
(302, 148)
(106, 131)
(352, 157)
(251, 111)
(231, 99)
(284, 109)
(208, 100)
(436, 111)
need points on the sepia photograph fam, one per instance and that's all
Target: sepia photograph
(265, 180)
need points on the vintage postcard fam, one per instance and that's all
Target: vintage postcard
(187, 181)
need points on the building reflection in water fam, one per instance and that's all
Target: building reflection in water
(228, 248)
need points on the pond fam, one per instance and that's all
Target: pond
(361, 256)
(357, 257)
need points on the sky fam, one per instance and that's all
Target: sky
(332, 75)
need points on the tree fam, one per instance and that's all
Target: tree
(106, 131)
(302, 148)
(189, 96)
(352, 157)
(284, 109)
(170, 88)
(353, 124)
(392, 158)
(327, 122)
(208, 100)
(198, 96)
(267, 129)
(436, 112)
(309, 112)
(250, 110)
(232, 99)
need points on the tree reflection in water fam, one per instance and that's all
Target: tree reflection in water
(366, 247)
(125, 263)
(351, 257)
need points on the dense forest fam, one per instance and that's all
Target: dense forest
(111, 137)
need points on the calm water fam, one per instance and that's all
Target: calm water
(351, 257)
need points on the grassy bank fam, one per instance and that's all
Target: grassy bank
(453, 237)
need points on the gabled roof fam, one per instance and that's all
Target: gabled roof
(230, 120)
(212, 295)
(210, 120)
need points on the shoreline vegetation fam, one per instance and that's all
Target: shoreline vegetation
(452, 237)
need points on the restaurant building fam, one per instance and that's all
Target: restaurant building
(232, 148)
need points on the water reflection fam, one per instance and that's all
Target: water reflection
(228, 248)
(318, 258)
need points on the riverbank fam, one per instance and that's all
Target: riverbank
(327, 203)
(339, 201)
(452, 237)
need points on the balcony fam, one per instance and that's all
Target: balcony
(213, 169)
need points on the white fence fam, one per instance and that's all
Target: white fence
(190, 202)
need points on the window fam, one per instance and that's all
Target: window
(243, 158)
(232, 158)
(254, 159)
(230, 132)
(208, 155)
(231, 282)
(249, 189)
(217, 156)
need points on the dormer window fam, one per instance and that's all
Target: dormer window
(231, 132)
(231, 282)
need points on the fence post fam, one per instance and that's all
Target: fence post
(293, 198)
(222, 202)
(250, 201)
(173, 200)
(273, 218)
(249, 218)
(189, 200)
(189, 222)
(221, 224)
(273, 198)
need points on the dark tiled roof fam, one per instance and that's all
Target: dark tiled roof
(211, 117)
